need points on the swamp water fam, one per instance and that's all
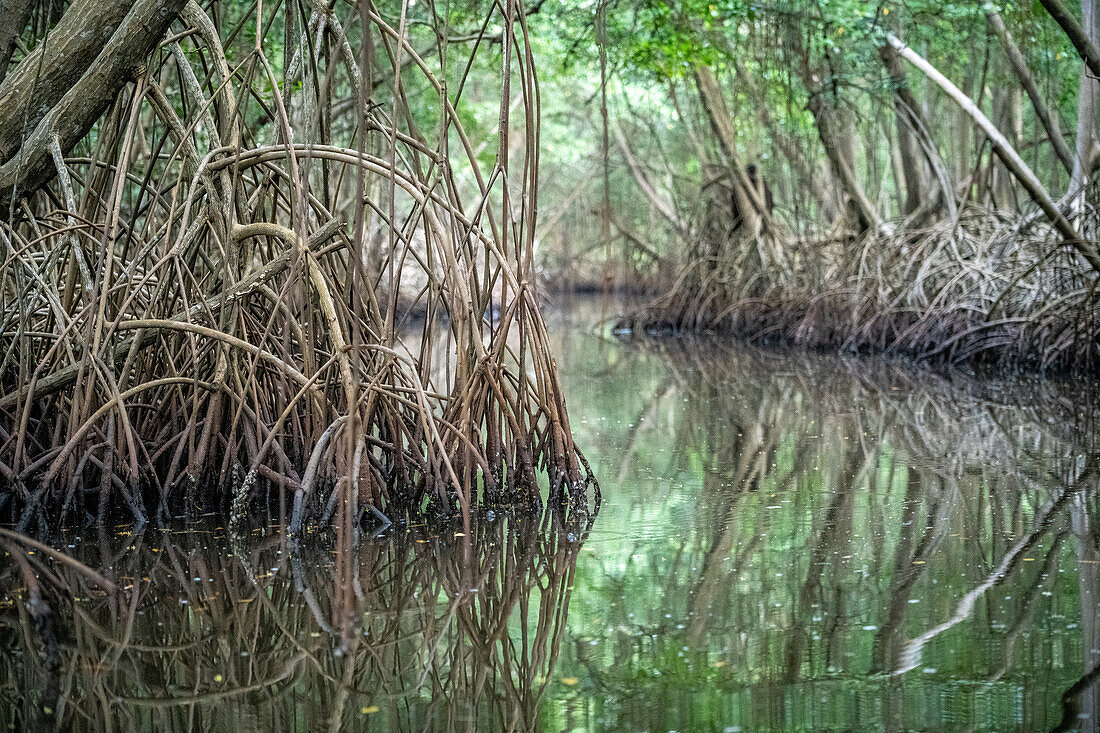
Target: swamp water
(786, 543)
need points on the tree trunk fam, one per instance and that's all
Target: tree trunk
(1008, 117)
(1027, 81)
(834, 130)
(1081, 38)
(1086, 115)
(749, 199)
(14, 15)
(908, 121)
(38, 83)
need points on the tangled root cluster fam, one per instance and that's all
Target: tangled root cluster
(247, 278)
(986, 287)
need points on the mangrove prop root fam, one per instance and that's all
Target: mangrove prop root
(202, 269)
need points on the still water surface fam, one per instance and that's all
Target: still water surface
(786, 543)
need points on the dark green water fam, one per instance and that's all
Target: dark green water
(786, 543)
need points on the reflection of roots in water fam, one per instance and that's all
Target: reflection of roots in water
(949, 420)
(904, 477)
(432, 628)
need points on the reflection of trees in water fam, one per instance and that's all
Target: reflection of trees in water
(849, 517)
(443, 631)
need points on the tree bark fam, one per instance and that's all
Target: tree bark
(1086, 115)
(64, 55)
(907, 117)
(76, 105)
(834, 131)
(750, 200)
(1009, 119)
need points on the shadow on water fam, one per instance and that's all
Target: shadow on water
(787, 542)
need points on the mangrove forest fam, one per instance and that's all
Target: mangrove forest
(531, 365)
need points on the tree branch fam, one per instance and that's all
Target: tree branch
(1077, 35)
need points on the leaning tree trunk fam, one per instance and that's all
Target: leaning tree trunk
(749, 199)
(1027, 81)
(63, 87)
(1082, 38)
(834, 126)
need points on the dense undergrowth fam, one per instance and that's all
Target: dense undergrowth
(911, 177)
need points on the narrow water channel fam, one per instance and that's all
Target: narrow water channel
(786, 542)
